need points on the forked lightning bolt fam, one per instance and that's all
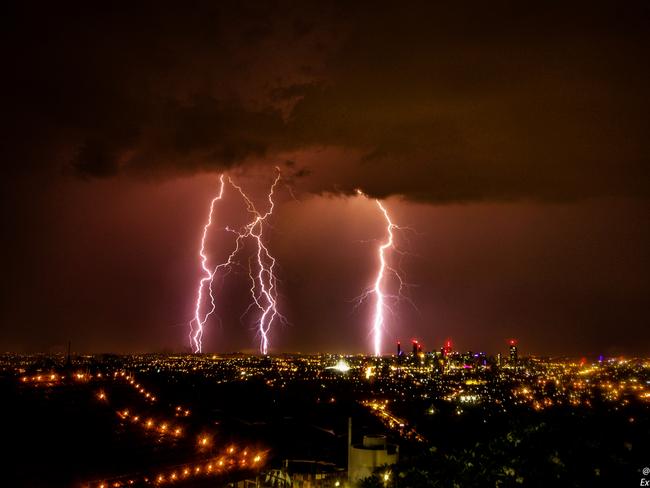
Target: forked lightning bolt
(263, 280)
(263, 288)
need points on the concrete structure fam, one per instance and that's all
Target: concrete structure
(304, 473)
(364, 458)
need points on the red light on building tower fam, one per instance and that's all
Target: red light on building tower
(446, 350)
(514, 356)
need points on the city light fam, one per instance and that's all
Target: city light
(469, 382)
(341, 366)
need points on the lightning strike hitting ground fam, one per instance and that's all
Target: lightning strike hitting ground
(378, 318)
(378, 289)
(197, 323)
(227, 264)
(263, 280)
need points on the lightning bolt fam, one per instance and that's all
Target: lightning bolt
(378, 289)
(198, 322)
(378, 316)
(263, 280)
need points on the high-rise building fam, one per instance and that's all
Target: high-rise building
(415, 346)
(513, 352)
(399, 348)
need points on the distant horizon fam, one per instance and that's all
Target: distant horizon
(501, 347)
(299, 353)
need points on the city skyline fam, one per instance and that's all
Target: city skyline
(248, 420)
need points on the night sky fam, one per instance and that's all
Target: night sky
(513, 137)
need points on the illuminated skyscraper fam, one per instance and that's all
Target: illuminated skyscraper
(513, 352)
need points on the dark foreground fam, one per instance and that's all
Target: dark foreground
(64, 433)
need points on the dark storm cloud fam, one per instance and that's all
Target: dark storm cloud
(202, 134)
(489, 102)
(144, 88)
(438, 103)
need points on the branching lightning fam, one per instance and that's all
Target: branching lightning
(262, 269)
(381, 297)
(263, 280)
